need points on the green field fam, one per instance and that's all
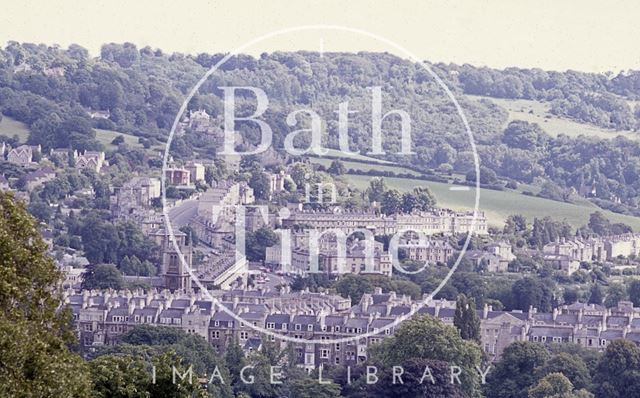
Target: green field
(106, 136)
(11, 127)
(498, 205)
(538, 112)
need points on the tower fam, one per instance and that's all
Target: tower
(172, 268)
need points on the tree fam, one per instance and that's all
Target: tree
(633, 290)
(376, 190)
(424, 337)
(256, 243)
(235, 361)
(556, 385)
(259, 182)
(571, 366)
(523, 135)
(103, 276)
(618, 371)
(337, 168)
(466, 319)
(532, 292)
(391, 202)
(415, 384)
(118, 140)
(353, 286)
(307, 387)
(595, 294)
(487, 176)
(34, 335)
(514, 374)
(167, 346)
(599, 224)
(615, 293)
(515, 223)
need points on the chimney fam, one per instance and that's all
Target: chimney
(485, 311)
(132, 307)
(555, 314)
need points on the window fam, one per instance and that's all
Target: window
(244, 335)
(337, 360)
(87, 327)
(324, 353)
(298, 326)
(337, 346)
(271, 325)
(215, 334)
(310, 327)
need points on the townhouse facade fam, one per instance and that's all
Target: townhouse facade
(440, 221)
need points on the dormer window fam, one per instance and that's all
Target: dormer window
(310, 327)
(298, 326)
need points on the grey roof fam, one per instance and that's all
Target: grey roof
(181, 303)
(172, 313)
(147, 311)
(357, 323)
(121, 311)
(380, 298)
(617, 321)
(222, 316)
(565, 332)
(399, 310)
(611, 334)
(278, 319)
(334, 320)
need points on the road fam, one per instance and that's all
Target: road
(182, 214)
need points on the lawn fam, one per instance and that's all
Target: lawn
(11, 127)
(538, 112)
(106, 136)
(498, 205)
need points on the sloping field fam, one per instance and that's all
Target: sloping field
(498, 205)
(538, 112)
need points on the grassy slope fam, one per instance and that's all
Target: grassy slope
(538, 112)
(498, 205)
(106, 136)
(11, 127)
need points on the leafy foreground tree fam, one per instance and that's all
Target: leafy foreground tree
(618, 371)
(514, 374)
(34, 358)
(556, 385)
(164, 346)
(418, 342)
(128, 376)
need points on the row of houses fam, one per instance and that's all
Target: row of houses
(436, 221)
(101, 318)
(567, 254)
(24, 156)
